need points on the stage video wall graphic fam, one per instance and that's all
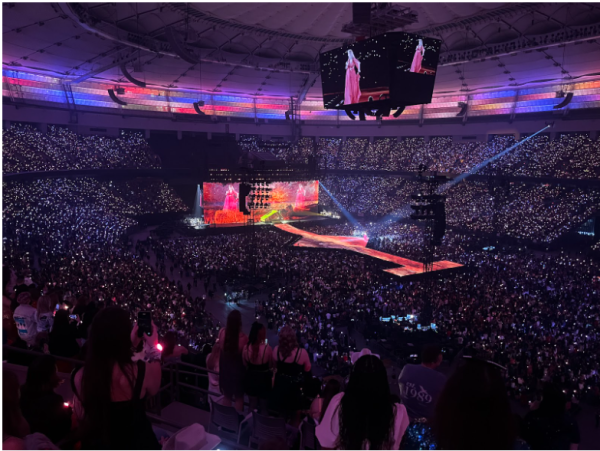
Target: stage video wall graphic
(398, 67)
(289, 201)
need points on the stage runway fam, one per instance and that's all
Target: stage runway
(358, 244)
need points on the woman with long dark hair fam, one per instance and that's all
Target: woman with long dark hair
(44, 409)
(364, 416)
(293, 365)
(231, 365)
(258, 358)
(473, 410)
(111, 389)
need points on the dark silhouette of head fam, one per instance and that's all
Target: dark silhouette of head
(257, 336)
(169, 343)
(554, 402)
(366, 410)
(41, 376)
(431, 355)
(473, 410)
(61, 323)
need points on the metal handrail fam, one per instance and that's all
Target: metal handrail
(8, 348)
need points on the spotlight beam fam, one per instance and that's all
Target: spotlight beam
(404, 213)
(345, 212)
(483, 164)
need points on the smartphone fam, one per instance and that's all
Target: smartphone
(266, 341)
(74, 317)
(144, 320)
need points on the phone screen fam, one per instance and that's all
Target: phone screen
(145, 323)
(73, 316)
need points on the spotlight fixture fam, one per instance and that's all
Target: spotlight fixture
(128, 76)
(463, 109)
(399, 111)
(197, 106)
(287, 115)
(350, 115)
(114, 97)
(565, 102)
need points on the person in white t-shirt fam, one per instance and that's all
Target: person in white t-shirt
(24, 317)
(367, 396)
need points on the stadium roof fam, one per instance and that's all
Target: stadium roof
(271, 49)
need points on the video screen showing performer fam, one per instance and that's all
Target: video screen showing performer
(415, 59)
(356, 74)
(417, 54)
(231, 199)
(287, 201)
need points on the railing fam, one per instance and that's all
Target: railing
(173, 370)
(6, 349)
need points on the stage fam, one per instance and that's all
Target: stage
(358, 244)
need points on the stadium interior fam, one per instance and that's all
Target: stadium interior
(232, 226)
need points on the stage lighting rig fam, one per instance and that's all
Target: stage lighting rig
(114, 98)
(565, 102)
(399, 112)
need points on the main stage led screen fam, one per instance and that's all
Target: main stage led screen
(395, 67)
(289, 201)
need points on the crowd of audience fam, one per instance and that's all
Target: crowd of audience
(66, 238)
(573, 156)
(25, 149)
(525, 324)
(536, 212)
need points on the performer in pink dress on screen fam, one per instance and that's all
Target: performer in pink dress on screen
(299, 198)
(418, 58)
(352, 91)
(231, 199)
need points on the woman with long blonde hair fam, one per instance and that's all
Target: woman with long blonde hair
(352, 89)
(418, 58)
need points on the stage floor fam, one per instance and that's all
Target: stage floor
(358, 244)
